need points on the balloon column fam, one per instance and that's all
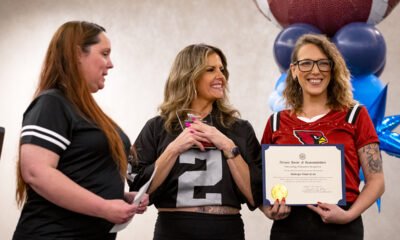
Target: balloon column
(351, 27)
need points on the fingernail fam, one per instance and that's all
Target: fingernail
(283, 199)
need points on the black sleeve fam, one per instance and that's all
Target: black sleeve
(47, 123)
(253, 159)
(146, 148)
(245, 138)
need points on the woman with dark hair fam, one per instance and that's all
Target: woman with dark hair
(203, 161)
(72, 157)
(321, 105)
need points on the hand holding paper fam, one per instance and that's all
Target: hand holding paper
(140, 198)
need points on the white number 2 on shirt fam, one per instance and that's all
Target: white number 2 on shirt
(208, 177)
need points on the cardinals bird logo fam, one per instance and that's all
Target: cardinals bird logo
(310, 137)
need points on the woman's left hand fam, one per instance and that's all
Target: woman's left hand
(331, 213)
(211, 133)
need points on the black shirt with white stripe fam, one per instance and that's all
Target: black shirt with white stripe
(52, 122)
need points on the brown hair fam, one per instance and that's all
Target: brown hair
(340, 95)
(60, 70)
(180, 88)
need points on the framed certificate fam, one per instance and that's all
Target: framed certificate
(303, 174)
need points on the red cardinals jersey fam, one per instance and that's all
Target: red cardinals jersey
(353, 128)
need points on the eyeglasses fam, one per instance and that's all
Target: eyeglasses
(306, 65)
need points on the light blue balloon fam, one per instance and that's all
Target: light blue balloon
(276, 101)
(366, 89)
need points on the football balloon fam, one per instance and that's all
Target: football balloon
(327, 15)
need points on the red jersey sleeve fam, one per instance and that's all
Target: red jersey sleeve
(267, 136)
(365, 131)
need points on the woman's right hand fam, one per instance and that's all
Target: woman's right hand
(118, 211)
(277, 211)
(186, 140)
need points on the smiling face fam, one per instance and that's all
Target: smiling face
(212, 82)
(96, 62)
(314, 83)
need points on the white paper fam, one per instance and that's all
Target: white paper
(138, 197)
(310, 173)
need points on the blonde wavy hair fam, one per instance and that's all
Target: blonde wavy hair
(180, 88)
(340, 94)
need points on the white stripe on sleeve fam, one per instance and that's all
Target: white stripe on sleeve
(44, 137)
(49, 132)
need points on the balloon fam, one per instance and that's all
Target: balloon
(390, 142)
(380, 70)
(366, 89)
(327, 15)
(280, 82)
(362, 46)
(377, 108)
(389, 123)
(285, 41)
(276, 102)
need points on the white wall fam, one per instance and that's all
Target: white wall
(146, 36)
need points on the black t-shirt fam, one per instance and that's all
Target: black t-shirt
(197, 178)
(52, 122)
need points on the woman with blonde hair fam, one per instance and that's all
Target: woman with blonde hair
(322, 110)
(203, 157)
(73, 157)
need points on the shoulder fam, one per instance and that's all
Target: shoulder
(275, 119)
(355, 111)
(241, 123)
(242, 127)
(51, 101)
(283, 113)
(153, 126)
(155, 121)
(53, 95)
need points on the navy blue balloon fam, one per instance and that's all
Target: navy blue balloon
(285, 41)
(379, 72)
(362, 46)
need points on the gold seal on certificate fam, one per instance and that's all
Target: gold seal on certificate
(279, 192)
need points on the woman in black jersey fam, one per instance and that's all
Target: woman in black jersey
(73, 157)
(203, 163)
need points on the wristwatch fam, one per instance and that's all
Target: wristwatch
(232, 153)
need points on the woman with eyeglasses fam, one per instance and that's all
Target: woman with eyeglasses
(321, 106)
